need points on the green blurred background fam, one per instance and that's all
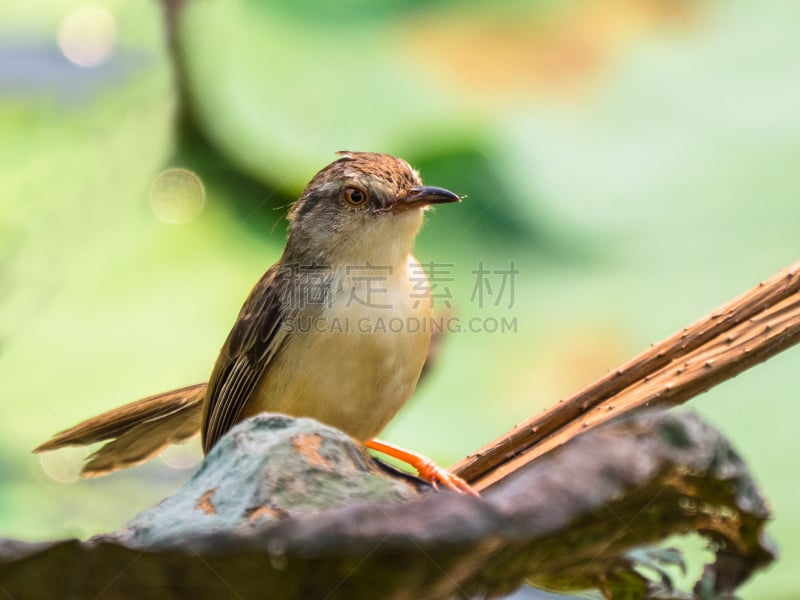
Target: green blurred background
(636, 160)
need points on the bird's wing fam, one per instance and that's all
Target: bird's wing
(255, 339)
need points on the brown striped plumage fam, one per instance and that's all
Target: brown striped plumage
(363, 210)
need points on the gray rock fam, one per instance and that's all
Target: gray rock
(290, 508)
(269, 468)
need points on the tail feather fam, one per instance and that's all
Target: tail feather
(140, 443)
(137, 430)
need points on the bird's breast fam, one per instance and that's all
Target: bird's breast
(353, 362)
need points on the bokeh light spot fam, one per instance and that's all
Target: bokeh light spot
(63, 466)
(177, 196)
(86, 35)
(182, 456)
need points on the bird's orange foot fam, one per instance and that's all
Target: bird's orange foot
(427, 469)
(433, 473)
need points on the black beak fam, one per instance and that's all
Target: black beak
(424, 195)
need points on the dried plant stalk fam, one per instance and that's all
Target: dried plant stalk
(744, 332)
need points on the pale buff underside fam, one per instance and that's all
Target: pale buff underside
(353, 380)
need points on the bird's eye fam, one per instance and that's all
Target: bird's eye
(355, 196)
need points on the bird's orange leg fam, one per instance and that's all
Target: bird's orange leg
(426, 468)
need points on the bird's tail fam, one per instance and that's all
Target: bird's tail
(137, 431)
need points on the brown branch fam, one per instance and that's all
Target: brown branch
(742, 333)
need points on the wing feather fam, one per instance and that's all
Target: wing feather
(254, 340)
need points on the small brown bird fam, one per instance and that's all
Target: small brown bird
(337, 330)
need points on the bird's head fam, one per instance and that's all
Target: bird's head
(362, 208)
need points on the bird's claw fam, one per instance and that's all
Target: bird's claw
(436, 475)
